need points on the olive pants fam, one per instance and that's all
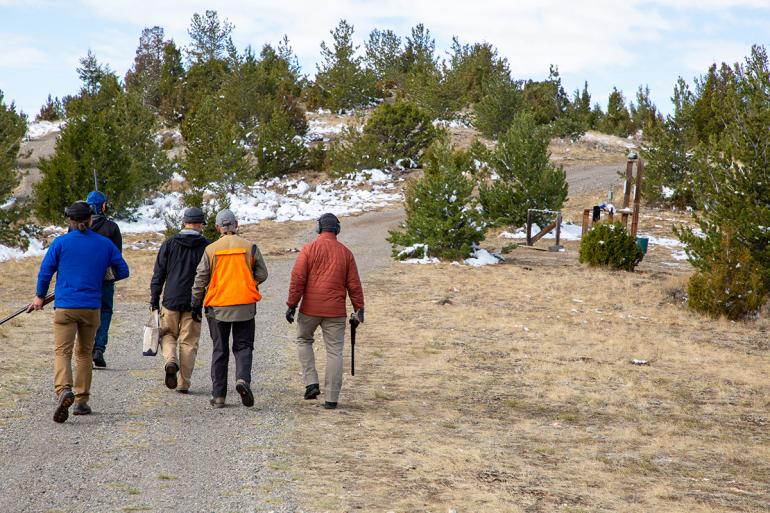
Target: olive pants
(74, 329)
(333, 329)
(179, 331)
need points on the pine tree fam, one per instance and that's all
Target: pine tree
(644, 114)
(216, 158)
(526, 177)
(384, 57)
(171, 83)
(342, 81)
(91, 72)
(733, 185)
(496, 109)
(472, 68)
(111, 133)
(667, 151)
(51, 110)
(144, 77)
(423, 77)
(440, 208)
(617, 120)
(12, 128)
(210, 38)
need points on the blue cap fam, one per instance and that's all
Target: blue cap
(97, 200)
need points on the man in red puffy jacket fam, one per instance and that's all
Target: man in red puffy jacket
(324, 274)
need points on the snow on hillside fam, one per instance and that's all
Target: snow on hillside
(39, 129)
(35, 249)
(284, 200)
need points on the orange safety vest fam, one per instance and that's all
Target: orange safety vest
(232, 282)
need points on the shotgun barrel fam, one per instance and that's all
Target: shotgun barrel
(46, 300)
(353, 326)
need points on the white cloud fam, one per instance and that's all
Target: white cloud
(19, 52)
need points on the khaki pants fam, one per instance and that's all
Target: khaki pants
(69, 323)
(333, 329)
(179, 329)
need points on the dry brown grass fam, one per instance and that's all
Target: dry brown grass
(510, 388)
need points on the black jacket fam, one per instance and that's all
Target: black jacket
(175, 268)
(109, 229)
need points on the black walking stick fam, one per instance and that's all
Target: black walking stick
(353, 325)
(28, 308)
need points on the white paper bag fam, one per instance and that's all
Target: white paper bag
(151, 335)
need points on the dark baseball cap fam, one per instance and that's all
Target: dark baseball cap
(194, 215)
(78, 211)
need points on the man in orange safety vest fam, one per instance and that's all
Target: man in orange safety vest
(227, 285)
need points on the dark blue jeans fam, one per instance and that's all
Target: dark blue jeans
(108, 292)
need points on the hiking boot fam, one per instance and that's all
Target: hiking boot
(171, 370)
(98, 358)
(217, 402)
(81, 409)
(66, 398)
(330, 406)
(243, 388)
(312, 391)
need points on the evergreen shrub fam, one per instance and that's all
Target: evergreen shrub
(610, 245)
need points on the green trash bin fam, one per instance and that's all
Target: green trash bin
(641, 244)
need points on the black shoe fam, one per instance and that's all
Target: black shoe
(171, 370)
(98, 358)
(81, 409)
(247, 398)
(66, 398)
(217, 402)
(182, 391)
(330, 406)
(312, 391)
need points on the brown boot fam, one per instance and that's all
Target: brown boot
(62, 411)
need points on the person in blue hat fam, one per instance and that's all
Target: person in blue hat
(107, 228)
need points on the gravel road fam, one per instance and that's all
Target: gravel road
(583, 178)
(147, 448)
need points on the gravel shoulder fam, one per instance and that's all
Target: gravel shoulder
(147, 448)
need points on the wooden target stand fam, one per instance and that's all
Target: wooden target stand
(633, 181)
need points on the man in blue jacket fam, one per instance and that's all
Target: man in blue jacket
(79, 259)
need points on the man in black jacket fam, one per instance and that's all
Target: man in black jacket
(107, 228)
(175, 267)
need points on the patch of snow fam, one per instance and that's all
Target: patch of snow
(666, 192)
(39, 129)
(451, 123)
(359, 192)
(176, 177)
(35, 249)
(482, 257)
(663, 241)
(8, 204)
(679, 255)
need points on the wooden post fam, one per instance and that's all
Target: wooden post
(586, 219)
(529, 228)
(637, 197)
(627, 191)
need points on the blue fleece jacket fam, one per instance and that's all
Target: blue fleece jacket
(79, 260)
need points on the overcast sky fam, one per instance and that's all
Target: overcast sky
(606, 42)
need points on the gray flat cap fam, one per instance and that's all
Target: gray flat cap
(226, 218)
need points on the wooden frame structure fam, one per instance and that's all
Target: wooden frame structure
(555, 225)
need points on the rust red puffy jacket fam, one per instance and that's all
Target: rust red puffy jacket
(323, 275)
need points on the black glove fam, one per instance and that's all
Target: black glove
(197, 313)
(290, 314)
(154, 304)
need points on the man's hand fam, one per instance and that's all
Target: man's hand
(154, 305)
(36, 304)
(290, 314)
(360, 315)
(197, 313)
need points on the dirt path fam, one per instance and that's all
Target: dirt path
(147, 448)
(583, 178)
